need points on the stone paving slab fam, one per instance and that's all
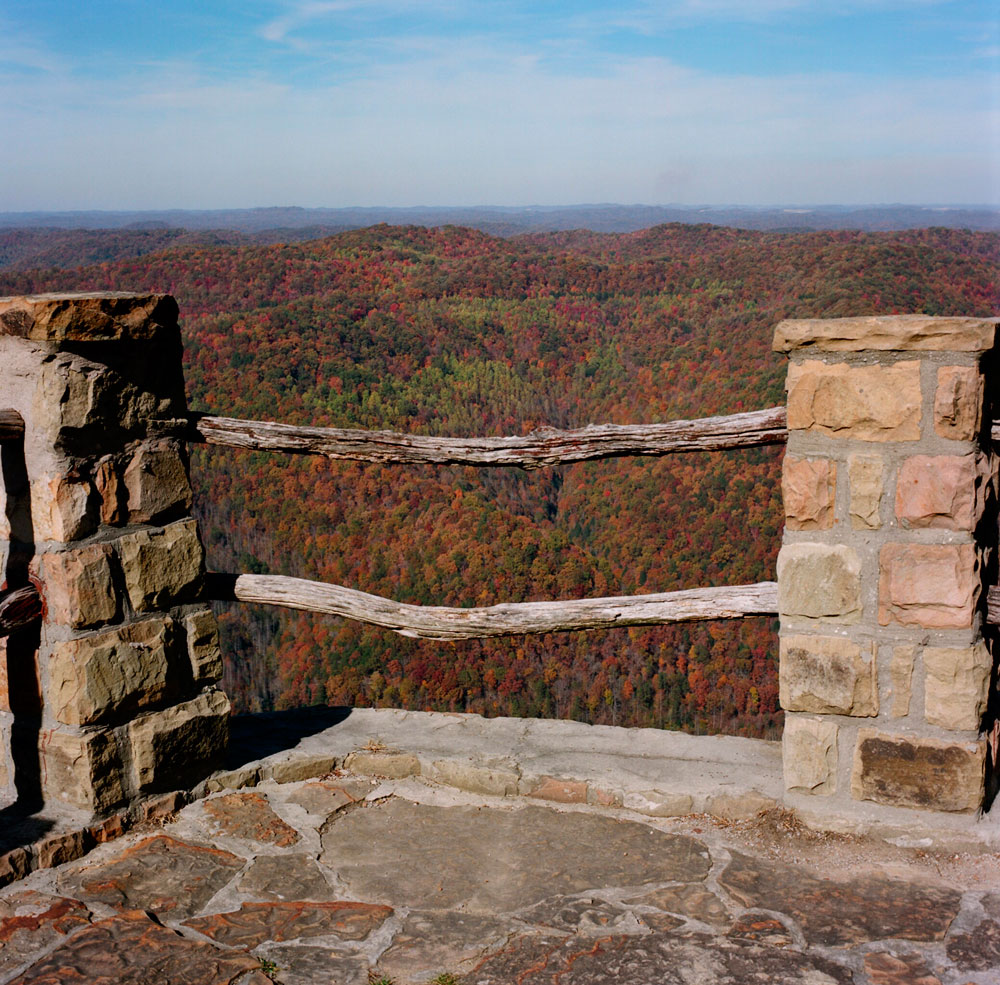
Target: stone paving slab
(406, 880)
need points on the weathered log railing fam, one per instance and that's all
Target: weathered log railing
(11, 425)
(437, 622)
(19, 608)
(542, 447)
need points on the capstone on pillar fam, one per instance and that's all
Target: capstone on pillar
(890, 493)
(116, 695)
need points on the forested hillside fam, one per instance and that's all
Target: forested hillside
(451, 331)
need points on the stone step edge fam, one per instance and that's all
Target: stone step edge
(461, 774)
(494, 780)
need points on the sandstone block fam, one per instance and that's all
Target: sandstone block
(57, 849)
(958, 402)
(956, 684)
(83, 769)
(76, 586)
(943, 491)
(202, 632)
(930, 585)
(162, 566)
(179, 746)
(108, 316)
(657, 803)
(113, 674)
(809, 755)
(60, 508)
(924, 333)
(299, 766)
(6, 772)
(867, 403)
(808, 489)
(560, 791)
(901, 675)
(467, 775)
(394, 765)
(110, 490)
(927, 774)
(739, 806)
(157, 481)
(865, 477)
(827, 675)
(81, 403)
(819, 581)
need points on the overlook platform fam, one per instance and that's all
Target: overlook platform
(418, 845)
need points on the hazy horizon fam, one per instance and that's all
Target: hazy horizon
(119, 106)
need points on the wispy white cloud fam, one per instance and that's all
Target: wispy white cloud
(482, 123)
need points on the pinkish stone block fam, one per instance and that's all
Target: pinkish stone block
(930, 585)
(808, 488)
(958, 402)
(940, 491)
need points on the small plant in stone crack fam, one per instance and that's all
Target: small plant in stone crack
(268, 967)
(446, 978)
(374, 978)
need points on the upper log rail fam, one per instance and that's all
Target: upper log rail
(542, 447)
(993, 605)
(435, 622)
(11, 425)
(19, 608)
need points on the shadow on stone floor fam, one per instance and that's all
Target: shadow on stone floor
(253, 737)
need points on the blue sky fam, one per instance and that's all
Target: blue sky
(119, 104)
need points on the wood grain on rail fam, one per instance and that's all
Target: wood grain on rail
(507, 619)
(542, 447)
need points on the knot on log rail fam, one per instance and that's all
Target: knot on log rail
(19, 608)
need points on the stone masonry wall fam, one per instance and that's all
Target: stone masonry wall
(116, 696)
(890, 492)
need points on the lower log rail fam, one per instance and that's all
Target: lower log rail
(19, 608)
(507, 619)
(11, 425)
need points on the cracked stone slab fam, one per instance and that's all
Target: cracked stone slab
(867, 908)
(496, 861)
(281, 878)
(249, 816)
(587, 916)
(887, 968)
(691, 900)
(31, 922)
(978, 951)
(309, 965)
(326, 797)
(435, 942)
(661, 958)
(254, 923)
(133, 949)
(160, 874)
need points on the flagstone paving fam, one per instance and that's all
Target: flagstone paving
(348, 879)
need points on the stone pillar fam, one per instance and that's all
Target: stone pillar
(95, 512)
(889, 489)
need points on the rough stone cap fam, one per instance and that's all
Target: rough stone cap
(103, 316)
(886, 332)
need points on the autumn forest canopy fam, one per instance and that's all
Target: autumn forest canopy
(451, 331)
